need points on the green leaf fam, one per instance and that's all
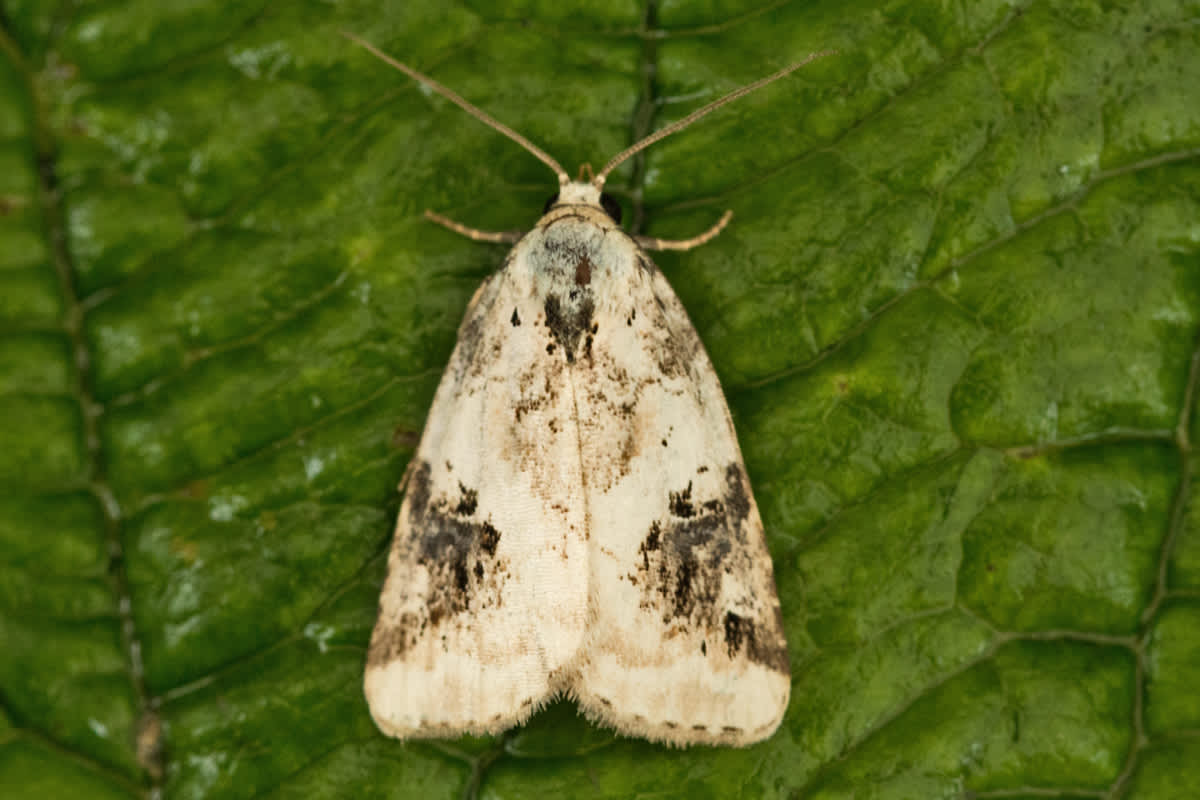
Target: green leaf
(955, 314)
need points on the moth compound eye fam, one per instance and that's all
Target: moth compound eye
(611, 207)
(550, 203)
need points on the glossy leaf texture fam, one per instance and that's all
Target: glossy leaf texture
(956, 316)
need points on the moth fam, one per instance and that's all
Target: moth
(577, 518)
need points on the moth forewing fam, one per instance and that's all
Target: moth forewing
(686, 642)
(481, 608)
(578, 519)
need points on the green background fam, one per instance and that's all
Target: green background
(955, 314)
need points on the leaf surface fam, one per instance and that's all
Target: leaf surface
(955, 315)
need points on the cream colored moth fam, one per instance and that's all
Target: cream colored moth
(577, 518)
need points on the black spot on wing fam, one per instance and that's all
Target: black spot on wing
(489, 538)
(468, 501)
(680, 503)
(446, 537)
(759, 643)
(685, 559)
(651, 543)
(569, 319)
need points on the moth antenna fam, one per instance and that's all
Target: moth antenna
(616, 160)
(453, 97)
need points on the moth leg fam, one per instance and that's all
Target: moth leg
(500, 237)
(650, 243)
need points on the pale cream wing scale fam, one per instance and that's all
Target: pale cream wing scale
(685, 641)
(485, 601)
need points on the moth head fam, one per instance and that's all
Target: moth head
(584, 192)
